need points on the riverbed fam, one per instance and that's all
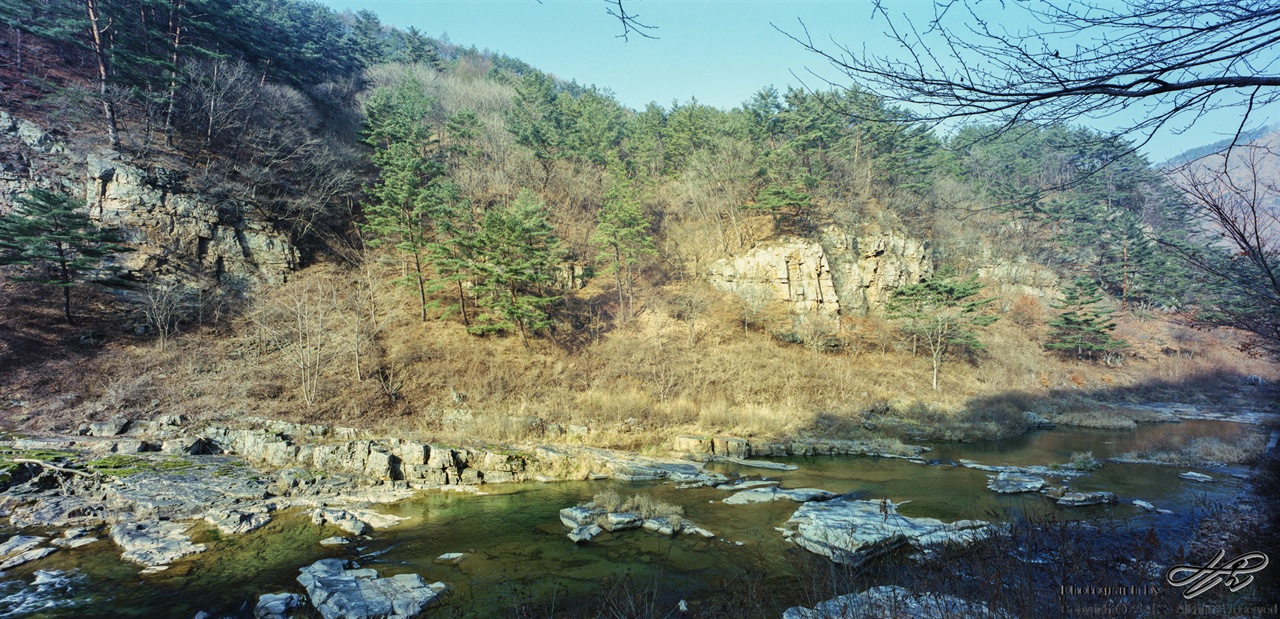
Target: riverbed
(516, 550)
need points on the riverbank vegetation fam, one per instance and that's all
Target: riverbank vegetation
(491, 253)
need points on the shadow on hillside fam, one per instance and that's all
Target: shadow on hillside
(1004, 413)
(37, 345)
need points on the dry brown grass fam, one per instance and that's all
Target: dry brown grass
(1243, 446)
(642, 382)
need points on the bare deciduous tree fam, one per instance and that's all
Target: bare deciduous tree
(299, 325)
(1149, 64)
(1237, 203)
(163, 304)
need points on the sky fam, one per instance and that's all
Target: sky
(717, 51)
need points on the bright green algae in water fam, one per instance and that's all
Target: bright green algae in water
(518, 552)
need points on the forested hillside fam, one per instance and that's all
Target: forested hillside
(401, 232)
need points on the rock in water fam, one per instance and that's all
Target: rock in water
(154, 544)
(277, 605)
(585, 533)
(1013, 483)
(1078, 499)
(765, 495)
(25, 557)
(19, 544)
(852, 531)
(341, 593)
(1193, 476)
(893, 601)
(1144, 505)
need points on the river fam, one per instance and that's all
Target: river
(517, 550)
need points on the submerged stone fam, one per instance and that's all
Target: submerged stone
(1193, 476)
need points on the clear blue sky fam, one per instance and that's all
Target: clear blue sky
(719, 51)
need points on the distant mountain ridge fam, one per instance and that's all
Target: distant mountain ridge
(1209, 149)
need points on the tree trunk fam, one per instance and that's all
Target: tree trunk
(422, 288)
(462, 304)
(100, 53)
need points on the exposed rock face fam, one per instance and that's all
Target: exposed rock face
(170, 226)
(1022, 277)
(894, 601)
(338, 592)
(852, 531)
(842, 273)
(868, 268)
(791, 270)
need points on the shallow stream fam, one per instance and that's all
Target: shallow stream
(517, 549)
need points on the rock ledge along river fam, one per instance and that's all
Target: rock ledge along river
(506, 543)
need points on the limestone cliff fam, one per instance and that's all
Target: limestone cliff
(174, 229)
(843, 273)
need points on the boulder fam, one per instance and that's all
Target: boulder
(577, 516)
(1012, 483)
(894, 601)
(335, 541)
(691, 444)
(851, 531)
(277, 605)
(1078, 499)
(341, 593)
(661, 526)
(732, 447)
(112, 427)
(1144, 505)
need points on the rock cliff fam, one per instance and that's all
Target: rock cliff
(842, 273)
(172, 227)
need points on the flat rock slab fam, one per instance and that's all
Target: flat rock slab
(25, 557)
(851, 531)
(154, 544)
(335, 541)
(236, 522)
(766, 495)
(1193, 476)
(894, 601)
(1012, 483)
(761, 464)
(342, 593)
(451, 558)
(19, 544)
(1037, 470)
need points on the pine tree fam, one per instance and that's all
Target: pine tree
(515, 251)
(411, 195)
(941, 312)
(52, 235)
(622, 234)
(1084, 328)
